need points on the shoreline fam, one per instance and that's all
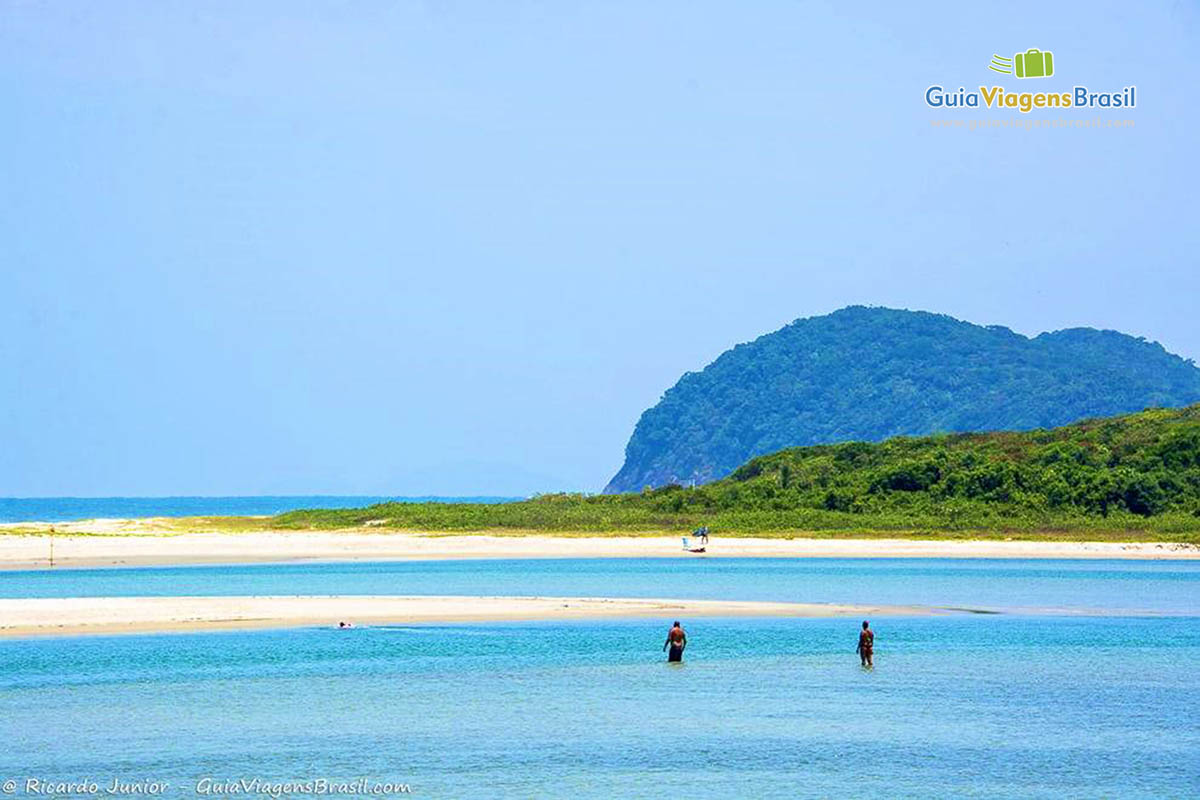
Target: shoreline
(158, 542)
(72, 616)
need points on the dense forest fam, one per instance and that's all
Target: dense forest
(1143, 464)
(868, 374)
(1101, 478)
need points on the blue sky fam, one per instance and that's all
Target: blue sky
(459, 247)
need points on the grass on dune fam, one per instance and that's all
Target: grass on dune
(1130, 478)
(576, 517)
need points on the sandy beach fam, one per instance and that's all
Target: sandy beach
(150, 542)
(80, 615)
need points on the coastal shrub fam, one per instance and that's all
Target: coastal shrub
(1139, 472)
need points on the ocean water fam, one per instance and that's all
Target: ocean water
(1024, 704)
(65, 509)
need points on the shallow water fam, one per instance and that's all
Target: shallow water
(1012, 705)
(982, 706)
(1031, 584)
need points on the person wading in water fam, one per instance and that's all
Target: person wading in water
(676, 640)
(866, 645)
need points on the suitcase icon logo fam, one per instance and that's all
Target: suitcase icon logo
(1033, 63)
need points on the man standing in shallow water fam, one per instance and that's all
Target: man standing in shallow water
(866, 645)
(676, 640)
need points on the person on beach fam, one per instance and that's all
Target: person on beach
(676, 640)
(866, 645)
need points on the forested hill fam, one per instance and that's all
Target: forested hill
(867, 374)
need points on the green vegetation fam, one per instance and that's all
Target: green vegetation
(868, 374)
(1135, 477)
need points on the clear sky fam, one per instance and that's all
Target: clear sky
(458, 247)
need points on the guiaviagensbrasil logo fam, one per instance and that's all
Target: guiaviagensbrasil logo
(1031, 63)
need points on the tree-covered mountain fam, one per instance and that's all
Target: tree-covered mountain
(867, 374)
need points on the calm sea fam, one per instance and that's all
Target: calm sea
(1093, 698)
(64, 509)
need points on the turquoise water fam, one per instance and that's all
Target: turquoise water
(1151, 587)
(996, 705)
(64, 509)
(977, 706)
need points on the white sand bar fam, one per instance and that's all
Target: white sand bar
(150, 542)
(77, 615)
